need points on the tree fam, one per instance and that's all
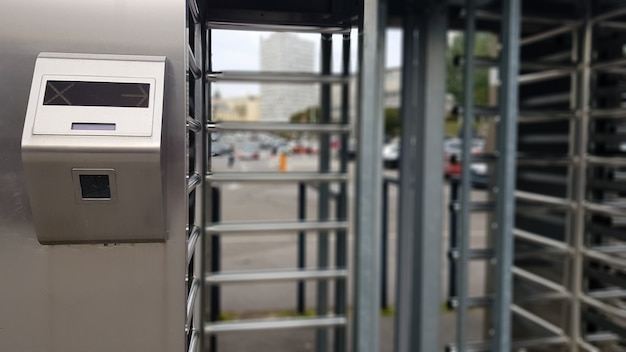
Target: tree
(484, 44)
(392, 122)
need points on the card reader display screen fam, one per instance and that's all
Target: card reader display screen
(84, 93)
(95, 186)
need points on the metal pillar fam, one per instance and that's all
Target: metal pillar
(421, 184)
(369, 177)
(505, 178)
(321, 340)
(466, 183)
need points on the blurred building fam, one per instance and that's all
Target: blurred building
(244, 108)
(286, 52)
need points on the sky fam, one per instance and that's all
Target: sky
(239, 50)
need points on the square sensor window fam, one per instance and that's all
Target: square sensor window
(95, 186)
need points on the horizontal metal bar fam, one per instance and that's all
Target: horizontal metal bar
(276, 177)
(191, 301)
(608, 294)
(494, 16)
(489, 62)
(541, 177)
(542, 76)
(277, 127)
(607, 161)
(537, 320)
(584, 345)
(225, 228)
(484, 157)
(277, 28)
(608, 113)
(605, 258)
(476, 206)
(194, 10)
(613, 25)
(276, 77)
(608, 15)
(481, 346)
(545, 161)
(605, 209)
(547, 34)
(274, 324)
(487, 300)
(483, 253)
(602, 337)
(544, 118)
(540, 198)
(605, 308)
(193, 181)
(609, 64)
(619, 249)
(534, 278)
(194, 341)
(472, 302)
(193, 124)
(308, 274)
(193, 64)
(528, 114)
(191, 242)
(541, 240)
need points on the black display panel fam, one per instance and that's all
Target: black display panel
(95, 186)
(83, 93)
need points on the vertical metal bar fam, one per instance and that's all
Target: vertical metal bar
(321, 341)
(505, 178)
(466, 182)
(205, 297)
(421, 184)
(215, 261)
(383, 248)
(301, 299)
(452, 228)
(582, 135)
(368, 176)
(341, 255)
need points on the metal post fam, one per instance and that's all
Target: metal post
(300, 294)
(341, 255)
(384, 304)
(321, 335)
(368, 176)
(215, 261)
(583, 88)
(505, 178)
(421, 184)
(452, 229)
(466, 182)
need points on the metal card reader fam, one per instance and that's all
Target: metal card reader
(91, 148)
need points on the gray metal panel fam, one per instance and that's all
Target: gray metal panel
(89, 297)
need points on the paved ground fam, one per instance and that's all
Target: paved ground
(279, 202)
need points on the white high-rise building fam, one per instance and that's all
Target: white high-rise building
(286, 52)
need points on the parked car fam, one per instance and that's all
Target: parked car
(391, 154)
(249, 151)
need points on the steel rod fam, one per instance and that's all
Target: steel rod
(193, 181)
(276, 227)
(537, 320)
(191, 300)
(277, 28)
(605, 308)
(540, 198)
(287, 275)
(609, 15)
(608, 161)
(192, 242)
(193, 125)
(462, 264)
(536, 77)
(534, 278)
(193, 64)
(276, 177)
(605, 258)
(368, 176)
(278, 127)
(194, 341)
(301, 292)
(192, 5)
(548, 34)
(273, 324)
(275, 77)
(541, 240)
